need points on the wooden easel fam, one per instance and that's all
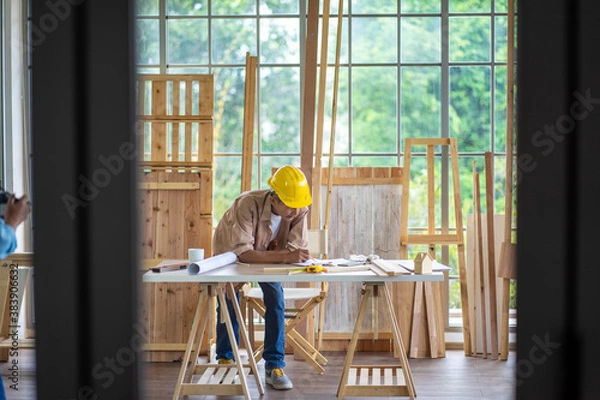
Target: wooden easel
(433, 239)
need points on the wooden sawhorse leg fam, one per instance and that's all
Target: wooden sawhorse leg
(293, 337)
(216, 379)
(371, 380)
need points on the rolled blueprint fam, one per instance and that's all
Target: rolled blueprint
(210, 263)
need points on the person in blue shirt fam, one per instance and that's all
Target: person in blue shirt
(15, 213)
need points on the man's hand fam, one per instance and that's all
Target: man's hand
(299, 255)
(16, 211)
(275, 256)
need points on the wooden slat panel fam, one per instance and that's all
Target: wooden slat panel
(356, 211)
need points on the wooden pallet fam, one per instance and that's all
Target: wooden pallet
(175, 131)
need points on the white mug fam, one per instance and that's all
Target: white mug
(195, 254)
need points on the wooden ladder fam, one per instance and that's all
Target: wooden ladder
(433, 239)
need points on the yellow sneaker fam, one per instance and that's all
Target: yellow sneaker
(224, 361)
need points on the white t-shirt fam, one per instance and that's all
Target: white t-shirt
(275, 224)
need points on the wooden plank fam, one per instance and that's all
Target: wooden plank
(208, 374)
(316, 183)
(491, 252)
(206, 95)
(169, 185)
(507, 266)
(23, 259)
(430, 141)
(388, 374)
(164, 346)
(248, 128)
(231, 374)
(376, 376)
(172, 77)
(308, 104)
(430, 307)
(364, 377)
(175, 231)
(416, 321)
(468, 346)
(205, 141)
(159, 138)
(430, 195)
(177, 165)
(404, 237)
(188, 125)
(367, 176)
(175, 125)
(336, 73)
(439, 239)
(175, 118)
(352, 376)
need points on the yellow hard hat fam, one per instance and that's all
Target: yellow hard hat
(290, 185)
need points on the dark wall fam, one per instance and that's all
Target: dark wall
(558, 199)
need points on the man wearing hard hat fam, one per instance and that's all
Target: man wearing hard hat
(266, 226)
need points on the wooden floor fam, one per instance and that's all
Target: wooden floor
(453, 377)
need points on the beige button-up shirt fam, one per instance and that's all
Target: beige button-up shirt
(246, 225)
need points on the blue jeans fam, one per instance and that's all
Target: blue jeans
(274, 327)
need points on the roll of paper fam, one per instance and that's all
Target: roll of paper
(210, 263)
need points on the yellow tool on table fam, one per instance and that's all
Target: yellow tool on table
(311, 269)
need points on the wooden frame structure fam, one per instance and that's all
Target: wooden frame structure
(433, 239)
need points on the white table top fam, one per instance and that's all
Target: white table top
(255, 273)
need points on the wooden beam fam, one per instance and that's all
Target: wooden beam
(489, 195)
(316, 206)
(308, 111)
(248, 130)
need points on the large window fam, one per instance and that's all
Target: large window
(410, 68)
